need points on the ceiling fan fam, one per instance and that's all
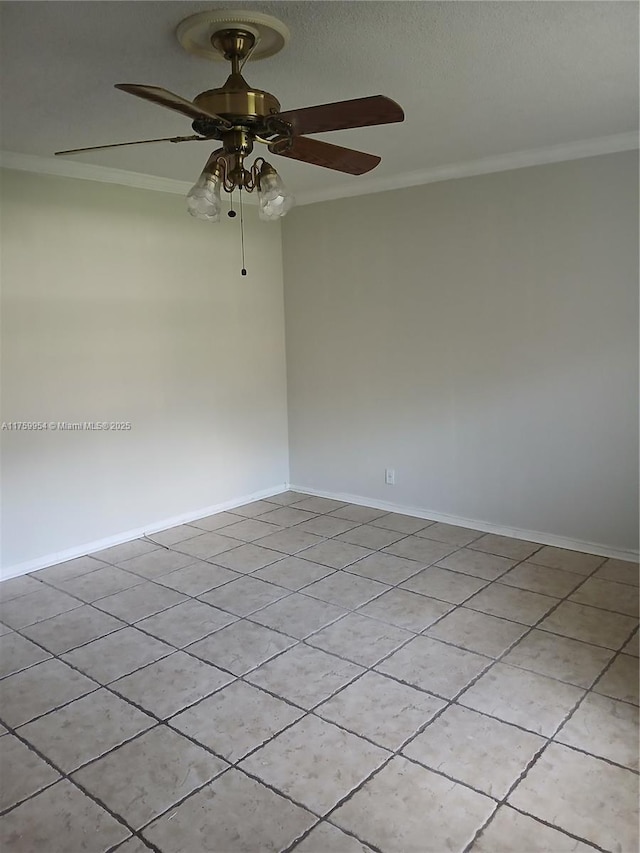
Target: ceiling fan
(237, 115)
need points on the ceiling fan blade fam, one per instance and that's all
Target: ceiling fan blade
(173, 102)
(325, 154)
(193, 138)
(361, 112)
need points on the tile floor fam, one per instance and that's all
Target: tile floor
(301, 674)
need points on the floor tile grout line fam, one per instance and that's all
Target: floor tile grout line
(549, 738)
(553, 826)
(215, 631)
(129, 624)
(437, 715)
(67, 777)
(350, 611)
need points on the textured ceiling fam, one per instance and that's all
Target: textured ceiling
(476, 79)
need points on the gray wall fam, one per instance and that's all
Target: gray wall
(118, 306)
(479, 336)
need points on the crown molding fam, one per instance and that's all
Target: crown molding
(486, 165)
(89, 172)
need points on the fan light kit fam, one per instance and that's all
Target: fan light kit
(237, 115)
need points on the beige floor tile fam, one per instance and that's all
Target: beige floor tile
(197, 578)
(505, 546)
(560, 657)
(39, 689)
(174, 534)
(16, 653)
(605, 728)
(293, 573)
(85, 729)
(60, 820)
(389, 811)
(125, 551)
(145, 599)
(582, 795)
(286, 498)
(589, 624)
(23, 585)
(478, 632)
(380, 709)
(385, 568)
(186, 623)
(290, 541)
(518, 605)
(406, 609)
(533, 701)
(117, 654)
(361, 514)
(23, 772)
(216, 521)
(542, 579)
(298, 615)
(326, 838)
(207, 545)
(100, 583)
(236, 720)
(425, 551)
(250, 529)
(157, 563)
(450, 533)
(346, 590)
(248, 558)
(484, 753)
(402, 523)
(487, 566)
(307, 763)
(171, 684)
(244, 595)
(360, 639)
(241, 646)
(141, 779)
(620, 571)
(434, 666)
(287, 516)
(316, 504)
(620, 681)
(326, 525)
(369, 536)
(510, 831)
(254, 509)
(444, 585)
(607, 595)
(73, 628)
(304, 675)
(64, 571)
(230, 815)
(36, 606)
(570, 561)
(335, 554)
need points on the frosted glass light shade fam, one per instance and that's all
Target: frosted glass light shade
(203, 199)
(274, 200)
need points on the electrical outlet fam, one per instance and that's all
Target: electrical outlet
(389, 476)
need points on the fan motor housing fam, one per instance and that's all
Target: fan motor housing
(238, 102)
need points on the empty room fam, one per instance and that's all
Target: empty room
(319, 426)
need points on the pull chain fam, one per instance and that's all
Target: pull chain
(243, 271)
(232, 212)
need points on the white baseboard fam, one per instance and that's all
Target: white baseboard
(419, 512)
(483, 526)
(98, 545)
